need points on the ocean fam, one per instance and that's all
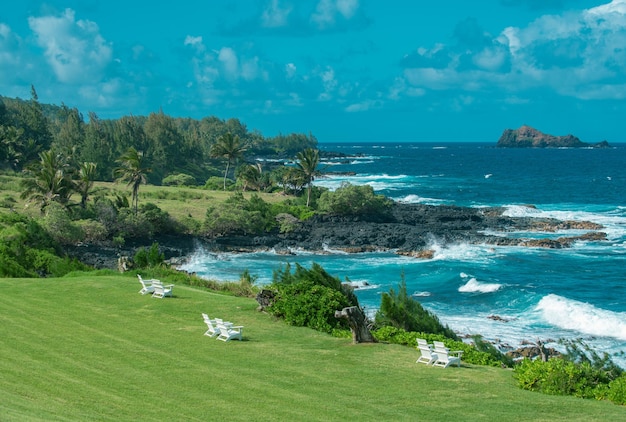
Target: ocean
(509, 295)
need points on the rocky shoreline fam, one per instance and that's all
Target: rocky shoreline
(407, 229)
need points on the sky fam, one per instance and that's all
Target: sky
(342, 70)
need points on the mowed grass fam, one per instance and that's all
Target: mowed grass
(92, 348)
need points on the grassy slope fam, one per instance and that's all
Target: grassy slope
(92, 348)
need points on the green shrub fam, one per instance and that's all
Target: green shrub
(217, 183)
(617, 390)
(58, 224)
(93, 231)
(148, 258)
(309, 298)
(237, 215)
(179, 179)
(402, 311)
(558, 376)
(354, 200)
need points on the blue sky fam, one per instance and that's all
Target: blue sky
(344, 70)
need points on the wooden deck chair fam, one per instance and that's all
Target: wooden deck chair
(422, 343)
(161, 290)
(427, 355)
(212, 330)
(146, 285)
(444, 359)
(229, 332)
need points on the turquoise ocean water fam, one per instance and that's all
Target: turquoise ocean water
(541, 293)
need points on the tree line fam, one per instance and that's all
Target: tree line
(169, 146)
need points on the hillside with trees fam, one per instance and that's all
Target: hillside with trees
(170, 146)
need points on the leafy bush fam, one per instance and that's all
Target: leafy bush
(93, 231)
(237, 215)
(354, 200)
(309, 298)
(402, 311)
(179, 179)
(27, 250)
(57, 222)
(148, 258)
(217, 183)
(617, 390)
(559, 376)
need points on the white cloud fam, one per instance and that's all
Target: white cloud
(275, 16)
(362, 106)
(290, 70)
(229, 61)
(9, 46)
(581, 55)
(616, 6)
(194, 42)
(74, 49)
(327, 11)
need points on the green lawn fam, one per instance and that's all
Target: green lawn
(91, 348)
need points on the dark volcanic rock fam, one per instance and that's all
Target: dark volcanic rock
(408, 229)
(528, 137)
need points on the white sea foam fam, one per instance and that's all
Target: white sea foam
(583, 317)
(520, 211)
(474, 286)
(421, 294)
(613, 221)
(361, 285)
(462, 252)
(416, 199)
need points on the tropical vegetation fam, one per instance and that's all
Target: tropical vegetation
(49, 154)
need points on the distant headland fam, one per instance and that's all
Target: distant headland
(528, 137)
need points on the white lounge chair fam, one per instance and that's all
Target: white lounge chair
(229, 332)
(445, 356)
(444, 359)
(212, 330)
(146, 285)
(427, 355)
(422, 343)
(161, 290)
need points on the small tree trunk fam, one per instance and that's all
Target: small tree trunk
(358, 324)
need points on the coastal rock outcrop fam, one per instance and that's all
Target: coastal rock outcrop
(528, 137)
(408, 229)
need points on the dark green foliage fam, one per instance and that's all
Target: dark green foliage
(171, 145)
(58, 223)
(237, 215)
(27, 250)
(148, 258)
(309, 298)
(578, 351)
(580, 372)
(402, 311)
(354, 200)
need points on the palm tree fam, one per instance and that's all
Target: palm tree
(49, 181)
(251, 176)
(230, 147)
(132, 171)
(308, 160)
(86, 178)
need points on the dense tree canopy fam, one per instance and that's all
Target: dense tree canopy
(170, 145)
